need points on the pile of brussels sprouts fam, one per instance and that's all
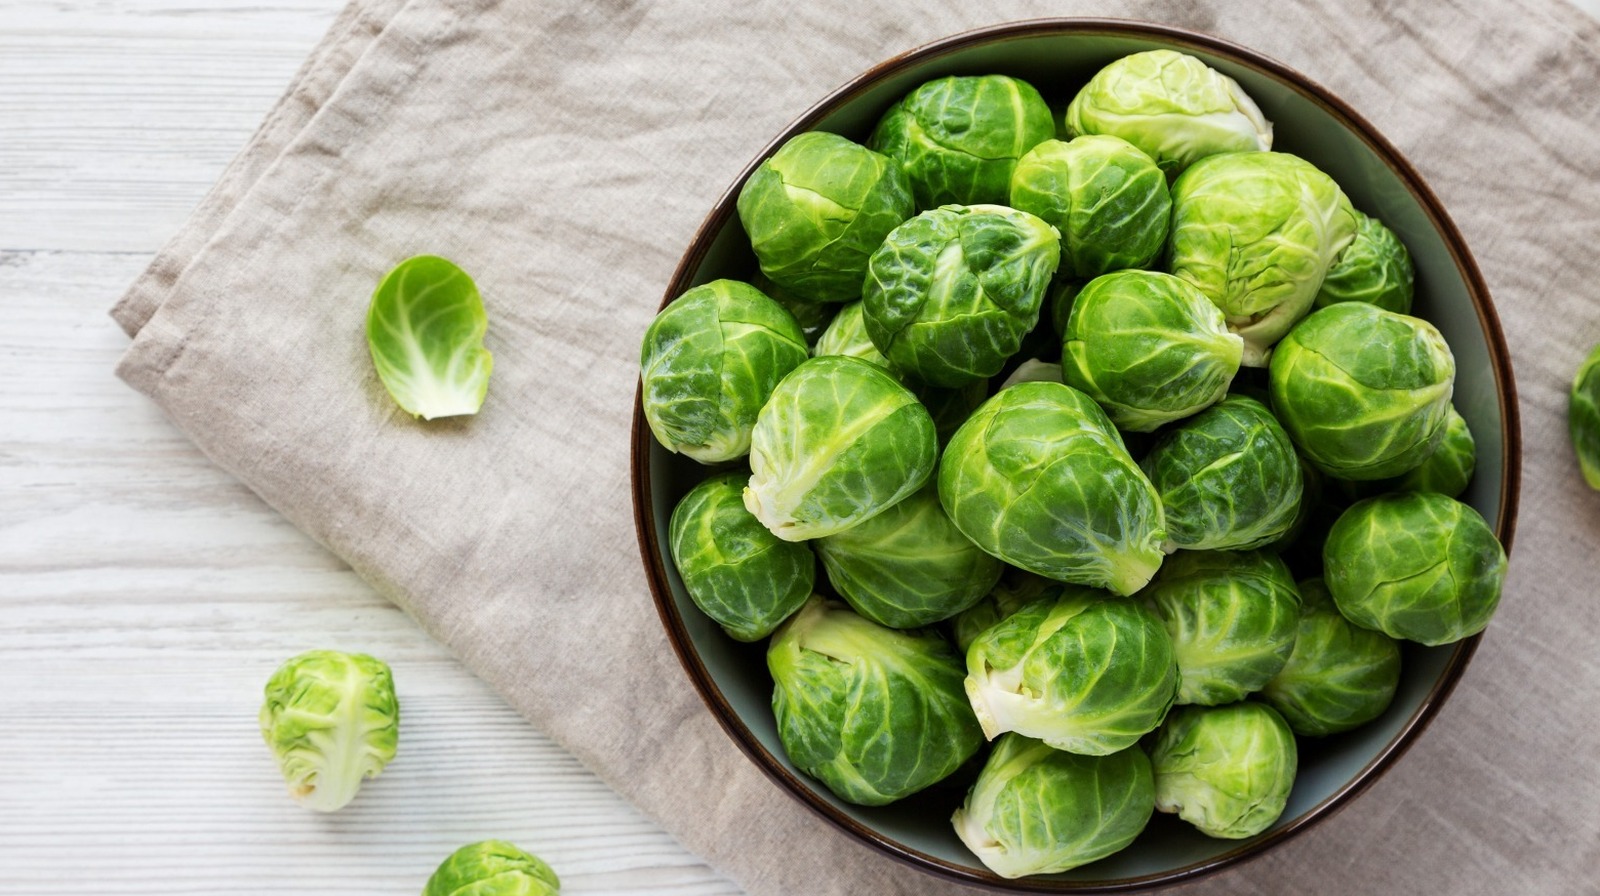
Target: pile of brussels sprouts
(1113, 435)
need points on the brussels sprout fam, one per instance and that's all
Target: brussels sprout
(1338, 676)
(1061, 296)
(1040, 478)
(709, 362)
(908, 566)
(1375, 268)
(1448, 469)
(1033, 370)
(817, 208)
(1016, 589)
(333, 720)
(951, 293)
(492, 868)
(1255, 232)
(1227, 770)
(1364, 393)
(813, 317)
(1082, 673)
(1149, 348)
(1037, 810)
(1415, 565)
(839, 441)
(951, 407)
(1229, 477)
(847, 337)
(1583, 417)
(425, 331)
(1172, 106)
(1108, 200)
(959, 138)
(736, 571)
(1232, 617)
(874, 713)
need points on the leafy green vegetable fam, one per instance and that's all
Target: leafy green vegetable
(425, 330)
(1339, 674)
(1583, 417)
(333, 720)
(492, 868)
(1375, 268)
(1227, 770)
(1108, 200)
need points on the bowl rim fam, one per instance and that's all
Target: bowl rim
(652, 552)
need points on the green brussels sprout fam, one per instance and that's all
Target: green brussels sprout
(1229, 478)
(1364, 393)
(1375, 268)
(1227, 770)
(1061, 296)
(1583, 417)
(1037, 810)
(1039, 477)
(1082, 673)
(951, 407)
(1339, 674)
(908, 566)
(813, 317)
(1232, 617)
(1415, 565)
(736, 571)
(332, 720)
(492, 868)
(874, 713)
(1449, 467)
(1172, 106)
(709, 361)
(846, 336)
(951, 293)
(959, 138)
(1255, 232)
(839, 441)
(1016, 589)
(1108, 200)
(817, 208)
(1033, 370)
(1149, 348)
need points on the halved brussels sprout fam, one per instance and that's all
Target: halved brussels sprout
(846, 336)
(1149, 348)
(1375, 268)
(1364, 393)
(1172, 106)
(908, 566)
(1228, 477)
(1082, 673)
(492, 868)
(1108, 200)
(736, 571)
(333, 721)
(709, 362)
(1227, 770)
(1415, 565)
(1038, 810)
(1255, 232)
(1040, 478)
(817, 208)
(1583, 417)
(958, 138)
(1449, 467)
(1339, 675)
(838, 442)
(951, 293)
(874, 713)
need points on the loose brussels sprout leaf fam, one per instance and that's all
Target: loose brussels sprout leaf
(1082, 673)
(847, 337)
(1172, 106)
(1375, 268)
(1040, 478)
(1583, 418)
(1037, 810)
(874, 713)
(736, 571)
(1229, 478)
(813, 317)
(1255, 232)
(951, 293)
(493, 868)
(1448, 469)
(1016, 589)
(1364, 393)
(817, 208)
(1339, 675)
(709, 362)
(1149, 348)
(333, 720)
(839, 441)
(908, 566)
(1232, 618)
(425, 330)
(1227, 770)
(959, 138)
(1415, 565)
(1108, 200)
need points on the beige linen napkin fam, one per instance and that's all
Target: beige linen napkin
(564, 152)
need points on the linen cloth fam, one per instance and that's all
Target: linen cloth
(563, 153)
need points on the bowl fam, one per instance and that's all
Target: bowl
(1057, 56)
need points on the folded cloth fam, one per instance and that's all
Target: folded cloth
(563, 154)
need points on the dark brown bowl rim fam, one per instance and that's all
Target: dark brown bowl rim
(1504, 524)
